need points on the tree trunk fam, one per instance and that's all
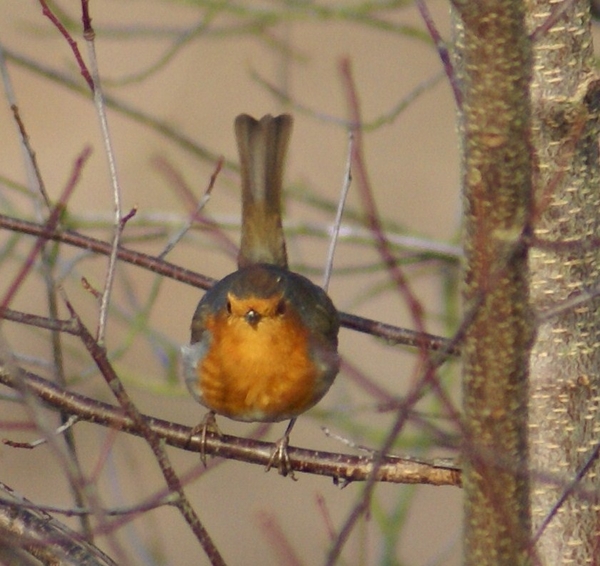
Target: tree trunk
(493, 65)
(565, 361)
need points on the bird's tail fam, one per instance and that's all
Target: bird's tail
(262, 146)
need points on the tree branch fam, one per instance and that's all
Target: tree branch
(392, 334)
(343, 468)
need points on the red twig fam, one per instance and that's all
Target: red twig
(368, 385)
(326, 515)
(51, 224)
(72, 43)
(195, 206)
(86, 20)
(368, 201)
(442, 50)
(428, 373)
(273, 532)
(190, 202)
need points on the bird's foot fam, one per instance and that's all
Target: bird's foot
(280, 456)
(208, 424)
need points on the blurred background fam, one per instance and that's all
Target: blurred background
(182, 70)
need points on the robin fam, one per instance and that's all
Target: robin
(264, 339)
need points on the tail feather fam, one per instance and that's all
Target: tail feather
(262, 146)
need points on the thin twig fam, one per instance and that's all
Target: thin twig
(181, 39)
(385, 118)
(369, 204)
(51, 225)
(340, 211)
(119, 224)
(72, 43)
(83, 511)
(272, 530)
(38, 442)
(32, 158)
(32, 403)
(567, 492)
(190, 202)
(134, 113)
(442, 50)
(176, 238)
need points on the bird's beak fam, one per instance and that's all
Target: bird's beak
(252, 317)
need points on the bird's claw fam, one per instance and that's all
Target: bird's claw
(280, 458)
(208, 424)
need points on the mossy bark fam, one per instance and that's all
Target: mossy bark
(493, 65)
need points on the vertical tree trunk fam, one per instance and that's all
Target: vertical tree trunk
(565, 362)
(493, 66)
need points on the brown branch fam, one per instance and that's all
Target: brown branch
(343, 468)
(388, 332)
(67, 326)
(94, 245)
(31, 530)
(98, 354)
(397, 335)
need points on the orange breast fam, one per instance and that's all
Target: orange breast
(262, 373)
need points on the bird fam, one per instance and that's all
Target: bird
(264, 339)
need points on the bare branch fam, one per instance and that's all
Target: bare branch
(98, 353)
(393, 334)
(343, 468)
(23, 526)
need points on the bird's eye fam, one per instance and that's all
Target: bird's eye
(229, 307)
(280, 307)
